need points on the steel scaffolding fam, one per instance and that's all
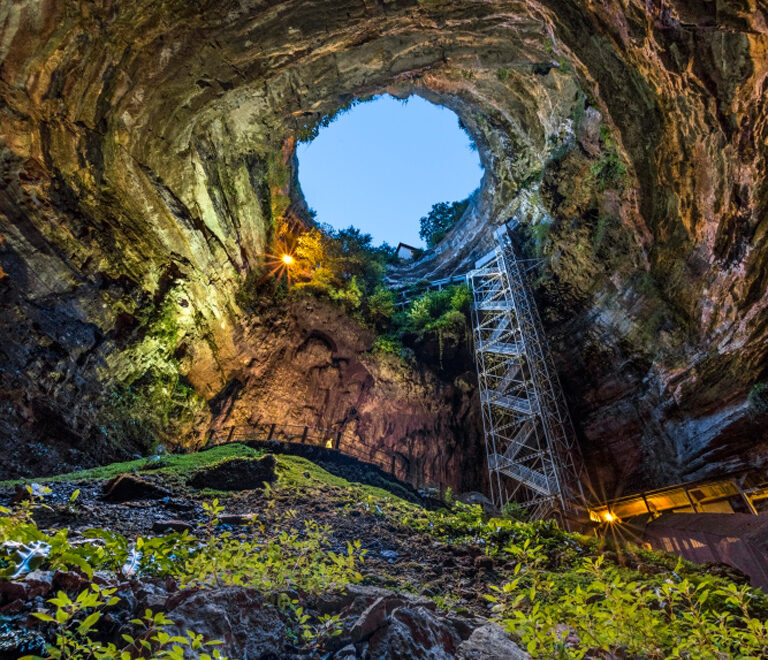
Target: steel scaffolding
(530, 445)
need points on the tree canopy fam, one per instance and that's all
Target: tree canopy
(442, 216)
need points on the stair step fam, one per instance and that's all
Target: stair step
(516, 403)
(501, 348)
(529, 477)
(493, 306)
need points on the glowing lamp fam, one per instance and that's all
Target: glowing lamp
(288, 259)
(609, 517)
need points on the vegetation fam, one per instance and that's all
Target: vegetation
(275, 556)
(565, 599)
(440, 219)
(560, 595)
(174, 468)
(758, 398)
(596, 606)
(435, 316)
(344, 267)
(147, 411)
(75, 622)
(152, 403)
(609, 172)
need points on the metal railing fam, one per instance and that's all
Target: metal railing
(407, 292)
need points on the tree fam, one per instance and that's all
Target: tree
(442, 216)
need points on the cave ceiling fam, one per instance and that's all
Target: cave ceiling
(146, 147)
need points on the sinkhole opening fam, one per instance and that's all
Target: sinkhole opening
(399, 170)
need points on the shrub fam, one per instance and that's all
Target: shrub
(343, 266)
(606, 609)
(380, 305)
(274, 560)
(388, 345)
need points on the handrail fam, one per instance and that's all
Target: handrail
(697, 496)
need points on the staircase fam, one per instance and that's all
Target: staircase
(530, 446)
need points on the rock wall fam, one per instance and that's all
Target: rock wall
(304, 363)
(146, 149)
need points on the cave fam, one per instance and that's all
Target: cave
(147, 149)
(148, 159)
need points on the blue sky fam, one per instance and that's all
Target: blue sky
(382, 165)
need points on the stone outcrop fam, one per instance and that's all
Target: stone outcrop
(146, 147)
(129, 488)
(304, 363)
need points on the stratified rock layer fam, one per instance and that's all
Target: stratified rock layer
(146, 147)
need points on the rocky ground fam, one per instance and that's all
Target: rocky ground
(279, 558)
(418, 597)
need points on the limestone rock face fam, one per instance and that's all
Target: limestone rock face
(146, 147)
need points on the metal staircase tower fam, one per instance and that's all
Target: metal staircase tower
(530, 445)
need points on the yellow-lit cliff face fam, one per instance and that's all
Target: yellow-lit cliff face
(146, 149)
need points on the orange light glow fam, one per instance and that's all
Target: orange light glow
(288, 260)
(609, 517)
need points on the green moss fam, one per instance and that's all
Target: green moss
(609, 172)
(173, 464)
(540, 233)
(564, 65)
(149, 409)
(758, 397)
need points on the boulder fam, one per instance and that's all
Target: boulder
(17, 641)
(130, 488)
(490, 642)
(239, 616)
(417, 633)
(236, 474)
(483, 562)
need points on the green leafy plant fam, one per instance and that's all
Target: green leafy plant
(388, 345)
(316, 633)
(609, 172)
(76, 619)
(606, 609)
(380, 305)
(437, 315)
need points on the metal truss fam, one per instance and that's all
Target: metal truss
(530, 444)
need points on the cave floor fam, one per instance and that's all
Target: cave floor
(396, 557)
